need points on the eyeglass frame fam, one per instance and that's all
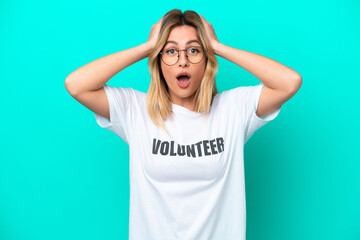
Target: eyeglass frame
(178, 55)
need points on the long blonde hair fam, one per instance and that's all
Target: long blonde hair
(158, 98)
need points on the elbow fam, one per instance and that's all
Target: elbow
(297, 82)
(69, 86)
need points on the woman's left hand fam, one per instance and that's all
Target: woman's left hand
(210, 32)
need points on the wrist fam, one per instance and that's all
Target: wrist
(148, 47)
(215, 46)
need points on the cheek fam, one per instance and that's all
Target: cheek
(166, 73)
(200, 72)
(164, 68)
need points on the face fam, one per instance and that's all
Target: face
(184, 96)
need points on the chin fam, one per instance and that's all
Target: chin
(186, 94)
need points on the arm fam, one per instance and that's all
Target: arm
(280, 82)
(273, 74)
(95, 74)
(86, 84)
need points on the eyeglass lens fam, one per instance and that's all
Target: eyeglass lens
(170, 56)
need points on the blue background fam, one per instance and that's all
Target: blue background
(64, 177)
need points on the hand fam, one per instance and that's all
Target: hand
(210, 32)
(154, 33)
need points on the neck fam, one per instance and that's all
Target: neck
(185, 103)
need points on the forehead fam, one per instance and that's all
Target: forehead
(183, 35)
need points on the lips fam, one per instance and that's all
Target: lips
(183, 74)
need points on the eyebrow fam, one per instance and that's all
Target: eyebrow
(186, 43)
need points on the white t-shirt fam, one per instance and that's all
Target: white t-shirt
(189, 186)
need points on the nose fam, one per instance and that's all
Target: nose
(182, 58)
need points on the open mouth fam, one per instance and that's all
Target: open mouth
(183, 80)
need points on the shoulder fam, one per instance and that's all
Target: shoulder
(130, 92)
(242, 92)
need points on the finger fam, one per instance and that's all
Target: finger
(202, 18)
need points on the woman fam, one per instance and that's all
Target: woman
(186, 139)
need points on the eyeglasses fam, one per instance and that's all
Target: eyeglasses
(170, 56)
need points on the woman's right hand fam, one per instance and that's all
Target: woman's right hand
(154, 33)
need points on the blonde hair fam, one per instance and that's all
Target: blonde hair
(158, 98)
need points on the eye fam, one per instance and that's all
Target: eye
(170, 51)
(193, 50)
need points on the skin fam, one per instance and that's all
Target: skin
(183, 96)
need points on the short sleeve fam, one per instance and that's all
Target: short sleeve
(248, 98)
(121, 107)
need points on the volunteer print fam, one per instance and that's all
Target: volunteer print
(199, 149)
